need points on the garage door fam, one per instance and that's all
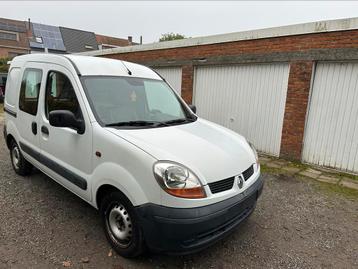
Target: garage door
(331, 133)
(249, 99)
(172, 75)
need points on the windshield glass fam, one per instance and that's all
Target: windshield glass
(126, 101)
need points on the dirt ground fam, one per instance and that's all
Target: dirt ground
(297, 224)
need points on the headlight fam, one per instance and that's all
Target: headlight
(254, 150)
(178, 180)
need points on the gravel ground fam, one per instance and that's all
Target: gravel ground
(296, 225)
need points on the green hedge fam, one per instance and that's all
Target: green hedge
(4, 67)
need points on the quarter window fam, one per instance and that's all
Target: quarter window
(29, 92)
(60, 94)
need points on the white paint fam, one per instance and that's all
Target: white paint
(249, 99)
(289, 30)
(172, 75)
(331, 133)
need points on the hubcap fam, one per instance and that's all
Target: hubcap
(120, 225)
(16, 157)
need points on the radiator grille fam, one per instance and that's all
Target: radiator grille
(222, 185)
(248, 172)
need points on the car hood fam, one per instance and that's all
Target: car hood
(211, 151)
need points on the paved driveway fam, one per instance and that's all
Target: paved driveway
(295, 225)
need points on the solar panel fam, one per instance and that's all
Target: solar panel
(51, 37)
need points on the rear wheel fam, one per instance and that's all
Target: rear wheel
(120, 225)
(19, 163)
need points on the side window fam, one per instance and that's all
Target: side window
(60, 94)
(11, 86)
(30, 89)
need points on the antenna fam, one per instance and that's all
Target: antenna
(129, 71)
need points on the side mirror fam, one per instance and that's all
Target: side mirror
(193, 108)
(65, 118)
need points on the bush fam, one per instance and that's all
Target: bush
(4, 67)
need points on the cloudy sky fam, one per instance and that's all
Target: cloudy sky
(152, 18)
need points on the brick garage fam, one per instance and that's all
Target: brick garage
(302, 46)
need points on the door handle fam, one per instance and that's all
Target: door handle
(34, 128)
(44, 130)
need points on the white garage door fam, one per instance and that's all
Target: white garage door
(331, 133)
(249, 99)
(172, 75)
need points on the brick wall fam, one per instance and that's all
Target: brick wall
(10, 52)
(299, 83)
(301, 51)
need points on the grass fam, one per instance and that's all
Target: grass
(335, 188)
(322, 186)
(270, 170)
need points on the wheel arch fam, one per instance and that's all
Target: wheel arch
(103, 190)
(112, 177)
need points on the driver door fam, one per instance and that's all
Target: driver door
(66, 155)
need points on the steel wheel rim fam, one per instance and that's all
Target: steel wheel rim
(15, 157)
(120, 225)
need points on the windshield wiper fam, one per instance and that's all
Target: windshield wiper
(179, 121)
(137, 123)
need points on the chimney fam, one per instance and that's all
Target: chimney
(130, 39)
(28, 24)
(141, 40)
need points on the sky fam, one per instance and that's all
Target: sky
(150, 19)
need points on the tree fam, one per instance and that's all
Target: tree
(171, 36)
(4, 67)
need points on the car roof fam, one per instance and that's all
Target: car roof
(91, 66)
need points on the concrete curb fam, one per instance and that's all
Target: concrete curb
(322, 175)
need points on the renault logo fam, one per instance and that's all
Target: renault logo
(240, 181)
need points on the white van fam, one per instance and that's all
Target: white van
(118, 136)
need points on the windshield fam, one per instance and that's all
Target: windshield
(126, 101)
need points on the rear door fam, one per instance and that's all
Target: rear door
(28, 116)
(66, 155)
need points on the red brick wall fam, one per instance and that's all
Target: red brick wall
(5, 52)
(300, 43)
(187, 83)
(299, 83)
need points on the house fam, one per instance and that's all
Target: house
(22, 37)
(108, 42)
(13, 38)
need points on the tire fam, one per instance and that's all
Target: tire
(121, 226)
(21, 166)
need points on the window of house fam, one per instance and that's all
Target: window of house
(8, 36)
(60, 94)
(29, 92)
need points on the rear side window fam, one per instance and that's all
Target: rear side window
(30, 89)
(60, 94)
(11, 86)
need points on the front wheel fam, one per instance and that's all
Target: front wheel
(120, 225)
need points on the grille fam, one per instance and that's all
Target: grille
(222, 185)
(248, 172)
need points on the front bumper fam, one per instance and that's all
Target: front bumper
(187, 230)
